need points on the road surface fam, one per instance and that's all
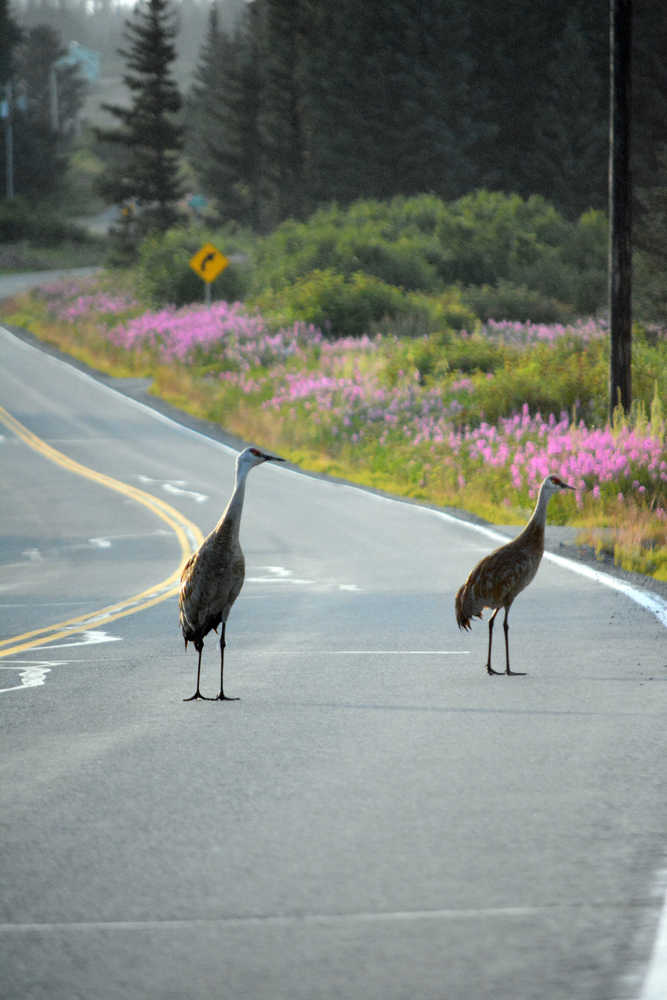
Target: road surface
(376, 818)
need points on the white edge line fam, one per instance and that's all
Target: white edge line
(645, 598)
(654, 986)
(657, 973)
(277, 919)
(361, 652)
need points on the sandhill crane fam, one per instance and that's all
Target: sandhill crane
(213, 576)
(498, 578)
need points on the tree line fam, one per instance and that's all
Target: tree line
(293, 103)
(308, 102)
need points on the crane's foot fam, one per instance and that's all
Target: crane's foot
(515, 673)
(223, 697)
(196, 696)
(495, 673)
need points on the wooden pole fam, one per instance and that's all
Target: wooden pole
(620, 205)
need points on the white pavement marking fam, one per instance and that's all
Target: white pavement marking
(197, 497)
(100, 543)
(645, 598)
(362, 652)
(280, 920)
(33, 674)
(90, 638)
(277, 570)
(34, 555)
(278, 574)
(655, 983)
(175, 486)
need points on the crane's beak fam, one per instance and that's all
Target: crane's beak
(273, 458)
(557, 481)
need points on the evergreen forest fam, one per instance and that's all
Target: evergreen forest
(292, 103)
(269, 110)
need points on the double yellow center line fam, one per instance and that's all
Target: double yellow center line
(188, 534)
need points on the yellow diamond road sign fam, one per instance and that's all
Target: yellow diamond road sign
(208, 262)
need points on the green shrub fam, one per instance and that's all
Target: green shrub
(446, 311)
(426, 356)
(586, 256)
(23, 220)
(339, 306)
(363, 239)
(577, 382)
(481, 234)
(424, 244)
(164, 274)
(516, 302)
(475, 354)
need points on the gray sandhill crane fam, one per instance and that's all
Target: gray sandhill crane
(498, 578)
(213, 576)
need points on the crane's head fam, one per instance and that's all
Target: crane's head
(554, 484)
(251, 457)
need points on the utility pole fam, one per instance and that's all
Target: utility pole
(7, 111)
(620, 205)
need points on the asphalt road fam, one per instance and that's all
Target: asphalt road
(376, 818)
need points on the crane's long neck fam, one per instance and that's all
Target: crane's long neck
(231, 519)
(534, 530)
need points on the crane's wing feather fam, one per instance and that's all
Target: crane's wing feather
(210, 583)
(496, 580)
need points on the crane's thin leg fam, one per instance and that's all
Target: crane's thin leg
(198, 693)
(489, 668)
(506, 629)
(222, 696)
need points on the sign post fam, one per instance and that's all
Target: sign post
(208, 264)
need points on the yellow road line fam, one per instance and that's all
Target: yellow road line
(188, 534)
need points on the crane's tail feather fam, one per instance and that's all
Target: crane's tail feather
(464, 609)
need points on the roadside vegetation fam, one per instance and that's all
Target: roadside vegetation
(41, 240)
(434, 350)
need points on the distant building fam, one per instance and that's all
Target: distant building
(87, 60)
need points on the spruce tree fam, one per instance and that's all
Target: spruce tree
(219, 127)
(334, 118)
(432, 117)
(569, 153)
(10, 36)
(149, 137)
(280, 120)
(206, 91)
(52, 95)
(650, 239)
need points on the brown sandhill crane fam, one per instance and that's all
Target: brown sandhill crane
(498, 578)
(213, 576)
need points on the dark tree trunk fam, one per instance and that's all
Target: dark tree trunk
(620, 205)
